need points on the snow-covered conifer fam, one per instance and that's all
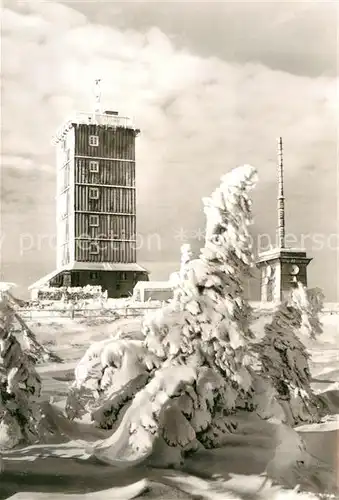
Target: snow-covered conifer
(203, 333)
(19, 387)
(310, 302)
(285, 363)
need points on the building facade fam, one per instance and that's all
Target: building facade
(281, 270)
(96, 204)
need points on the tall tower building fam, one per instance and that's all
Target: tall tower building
(96, 204)
(281, 268)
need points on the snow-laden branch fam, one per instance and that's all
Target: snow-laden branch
(285, 363)
(310, 303)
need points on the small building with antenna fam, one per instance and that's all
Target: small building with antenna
(96, 203)
(281, 268)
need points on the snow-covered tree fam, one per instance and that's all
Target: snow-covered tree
(310, 302)
(29, 342)
(19, 387)
(111, 370)
(284, 362)
(193, 367)
(197, 364)
(186, 256)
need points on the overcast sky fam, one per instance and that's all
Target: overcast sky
(211, 85)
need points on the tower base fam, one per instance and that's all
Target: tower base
(117, 279)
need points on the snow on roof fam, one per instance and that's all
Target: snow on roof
(45, 279)
(106, 266)
(277, 252)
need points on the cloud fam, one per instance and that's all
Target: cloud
(24, 165)
(199, 117)
(297, 37)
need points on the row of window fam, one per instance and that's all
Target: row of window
(93, 140)
(94, 221)
(93, 193)
(66, 279)
(121, 276)
(93, 167)
(94, 248)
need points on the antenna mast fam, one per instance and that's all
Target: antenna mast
(281, 198)
(97, 90)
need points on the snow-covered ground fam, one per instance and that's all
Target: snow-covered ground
(64, 468)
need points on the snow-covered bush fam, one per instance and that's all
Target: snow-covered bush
(36, 352)
(19, 387)
(71, 294)
(284, 363)
(310, 303)
(97, 387)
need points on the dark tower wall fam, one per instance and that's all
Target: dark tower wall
(105, 200)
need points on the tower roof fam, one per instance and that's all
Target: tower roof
(287, 254)
(109, 119)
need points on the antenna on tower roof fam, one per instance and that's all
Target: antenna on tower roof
(97, 91)
(281, 198)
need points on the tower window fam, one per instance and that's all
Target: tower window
(93, 275)
(94, 220)
(94, 249)
(94, 193)
(122, 277)
(94, 166)
(93, 140)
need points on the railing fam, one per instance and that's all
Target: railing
(116, 312)
(99, 313)
(102, 119)
(95, 118)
